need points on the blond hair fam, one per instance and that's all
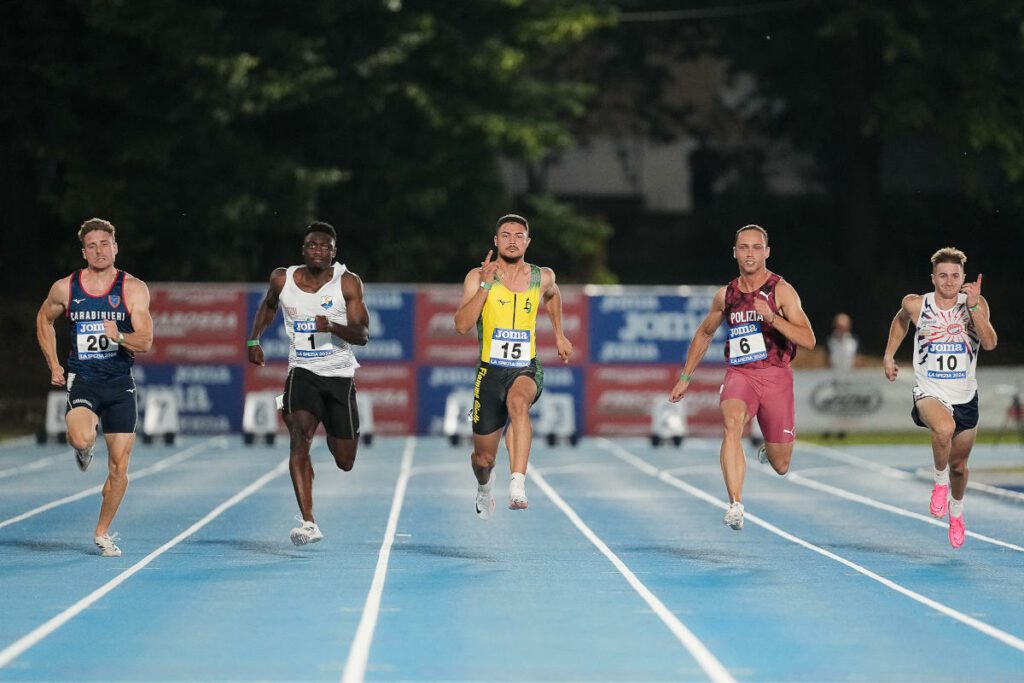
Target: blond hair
(95, 224)
(753, 226)
(949, 255)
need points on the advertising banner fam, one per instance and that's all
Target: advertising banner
(392, 316)
(649, 325)
(437, 342)
(209, 396)
(197, 323)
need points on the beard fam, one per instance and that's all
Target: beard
(512, 260)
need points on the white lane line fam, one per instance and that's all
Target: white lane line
(574, 468)
(991, 631)
(359, 653)
(440, 467)
(712, 667)
(218, 441)
(696, 469)
(35, 465)
(840, 456)
(796, 478)
(814, 471)
(18, 647)
(928, 475)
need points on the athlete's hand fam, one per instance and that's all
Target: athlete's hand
(891, 369)
(322, 323)
(679, 390)
(564, 348)
(256, 355)
(973, 291)
(57, 377)
(488, 268)
(763, 308)
(110, 329)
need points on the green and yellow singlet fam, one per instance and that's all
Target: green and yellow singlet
(508, 324)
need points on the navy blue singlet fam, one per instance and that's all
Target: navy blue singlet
(93, 356)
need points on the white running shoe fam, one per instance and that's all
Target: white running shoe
(517, 492)
(106, 544)
(306, 532)
(485, 499)
(762, 455)
(734, 516)
(84, 458)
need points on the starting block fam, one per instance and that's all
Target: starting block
(161, 415)
(556, 418)
(668, 422)
(259, 416)
(55, 427)
(458, 424)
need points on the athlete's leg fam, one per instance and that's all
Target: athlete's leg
(81, 424)
(519, 437)
(779, 455)
(119, 451)
(959, 451)
(485, 452)
(734, 466)
(939, 420)
(343, 450)
(301, 428)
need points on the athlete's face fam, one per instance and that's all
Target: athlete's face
(512, 239)
(948, 278)
(318, 250)
(750, 251)
(99, 249)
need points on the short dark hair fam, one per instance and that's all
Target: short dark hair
(512, 218)
(95, 224)
(321, 226)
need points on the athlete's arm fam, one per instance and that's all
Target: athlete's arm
(357, 329)
(910, 308)
(700, 343)
(265, 314)
(474, 294)
(552, 298)
(136, 298)
(55, 304)
(980, 314)
(790, 318)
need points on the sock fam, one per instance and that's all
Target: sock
(956, 507)
(942, 476)
(519, 477)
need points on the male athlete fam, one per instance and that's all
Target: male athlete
(952, 322)
(766, 323)
(324, 315)
(501, 299)
(109, 322)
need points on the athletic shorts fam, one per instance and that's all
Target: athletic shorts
(491, 390)
(965, 415)
(331, 400)
(768, 393)
(112, 399)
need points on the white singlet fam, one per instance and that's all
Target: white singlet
(946, 351)
(324, 353)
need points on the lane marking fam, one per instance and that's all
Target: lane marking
(359, 653)
(181, 456)
(35, 465)
(991, 631)
(18, 647)
(708, 662)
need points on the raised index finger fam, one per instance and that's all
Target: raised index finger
(978, 281)
(488, 259)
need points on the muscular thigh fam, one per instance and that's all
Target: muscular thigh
(777, 415)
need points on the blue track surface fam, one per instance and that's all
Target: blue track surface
(620, 570)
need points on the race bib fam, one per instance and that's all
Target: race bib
(947, 360)
(92, 342)
(510, 348)
(308, 342)
(746, 344)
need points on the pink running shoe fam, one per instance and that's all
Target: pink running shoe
(956, 531)
(938, 503)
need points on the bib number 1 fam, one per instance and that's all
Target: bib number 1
(309, 343)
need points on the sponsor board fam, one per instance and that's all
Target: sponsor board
(209, 395)
(197, 323)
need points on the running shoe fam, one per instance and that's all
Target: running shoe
(485, 499)
(956, 531)
(762, 455)
(306, 532)
(105, 543)
(734, 516)
(937, 506)
(517, 493)
(84, 458)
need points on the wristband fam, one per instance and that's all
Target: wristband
(974, 307)
(253, 342)
(684, 377)
(120, 337)
(485, 285)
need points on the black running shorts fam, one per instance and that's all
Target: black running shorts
(491, 390)
(112, 399)
(965, 415)
(332, 400)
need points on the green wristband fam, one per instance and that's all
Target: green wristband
(253, 342)
(485, 285)
(974, 307)
(686, 378)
